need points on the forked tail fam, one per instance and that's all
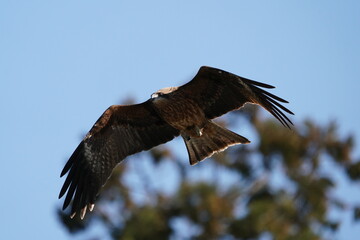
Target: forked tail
(214, 139)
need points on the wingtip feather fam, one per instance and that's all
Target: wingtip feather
(83, 212)
(91, 207)
(256, 83)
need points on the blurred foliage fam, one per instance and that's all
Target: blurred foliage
(278, 186)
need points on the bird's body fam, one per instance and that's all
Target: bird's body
(202, 137)
(187, 110)
(173, 109)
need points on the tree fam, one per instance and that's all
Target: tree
(278, 186)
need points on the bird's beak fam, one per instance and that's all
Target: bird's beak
(154, 95)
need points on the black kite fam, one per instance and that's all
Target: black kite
(187, 110)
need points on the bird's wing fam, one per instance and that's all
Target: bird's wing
(119, 132)
(218, 92)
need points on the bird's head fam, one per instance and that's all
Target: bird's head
(163, 92)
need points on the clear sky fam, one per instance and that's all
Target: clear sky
(62, 63)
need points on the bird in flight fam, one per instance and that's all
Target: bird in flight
(188, 110)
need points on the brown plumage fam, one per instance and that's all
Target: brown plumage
(187, 110)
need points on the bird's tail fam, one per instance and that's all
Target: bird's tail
(214, 139)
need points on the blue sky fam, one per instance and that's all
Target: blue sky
(62, 63)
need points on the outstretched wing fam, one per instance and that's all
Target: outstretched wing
(218, 92)
(119, 132)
